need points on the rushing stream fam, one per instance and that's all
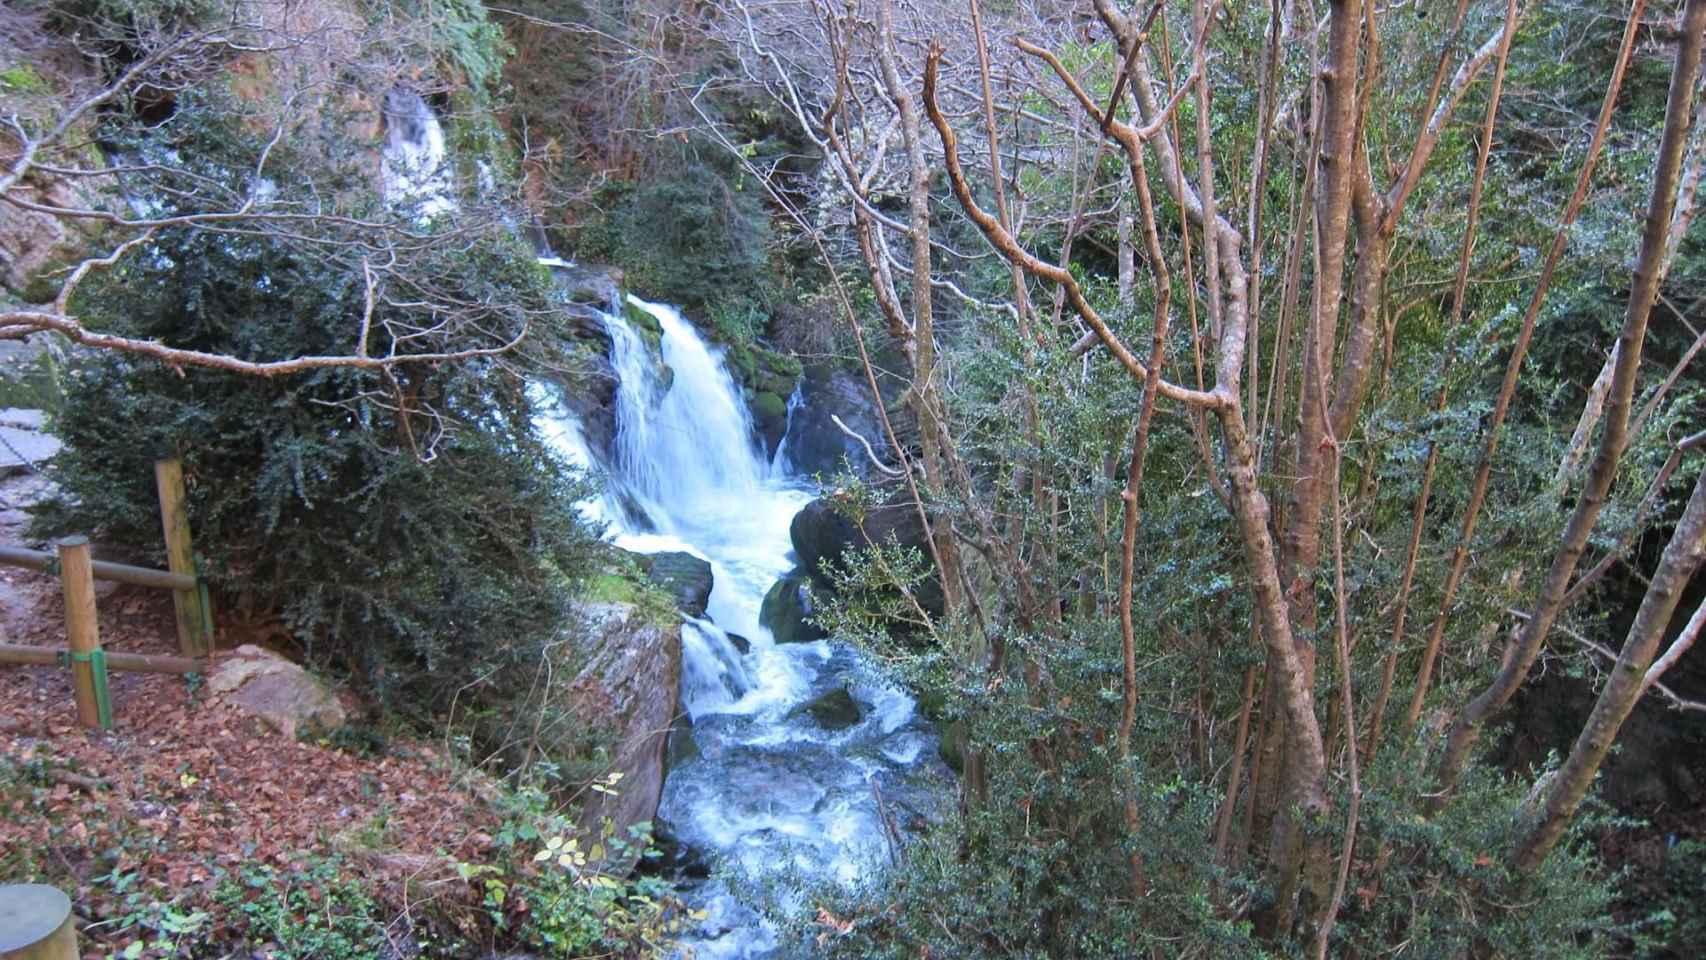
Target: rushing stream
(770, 792)
(766, 790)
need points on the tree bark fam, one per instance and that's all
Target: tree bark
(1628, 680)
(1614, 436)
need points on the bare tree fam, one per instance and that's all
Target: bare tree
(125, 201)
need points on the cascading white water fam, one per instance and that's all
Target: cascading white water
(690, 449)
(769, 791)
(781, 464)
(414, 171)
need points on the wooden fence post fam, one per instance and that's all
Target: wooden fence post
(88, 668)
(194, 635)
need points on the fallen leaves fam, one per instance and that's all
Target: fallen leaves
(179, 790)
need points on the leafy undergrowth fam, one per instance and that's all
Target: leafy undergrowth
(190, 830)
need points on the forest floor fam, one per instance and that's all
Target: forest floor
(172, 826)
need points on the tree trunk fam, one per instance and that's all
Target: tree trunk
(925, 389)
(1564, 794)
(1614, 437)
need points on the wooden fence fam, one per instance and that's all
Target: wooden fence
(78, 571)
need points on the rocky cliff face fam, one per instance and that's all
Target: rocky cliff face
(629, 684)
(814, 444)
(38, 75)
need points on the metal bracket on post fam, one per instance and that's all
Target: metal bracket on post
(206, 612)
(97, 661)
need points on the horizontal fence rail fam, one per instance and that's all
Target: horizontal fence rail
(77, 572)
(104, 570)
(132, 662)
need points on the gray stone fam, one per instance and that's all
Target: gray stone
(815, 444)
(686, 577)
(281, 694)
(630, 684)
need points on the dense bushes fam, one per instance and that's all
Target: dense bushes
(687, 237)
(407, 524)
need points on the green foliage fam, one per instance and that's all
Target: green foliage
(560, 898)
(1677, 921)
(324, 912)
(409, 525)
(463, 33)
(21, 78)
(687, 236)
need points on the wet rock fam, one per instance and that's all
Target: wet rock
(682, 747)
(820, 532)
(686, 577)
(740, 643)
(587, 387)
(766, 378)
(835, 710)
(281, 694)
(815, 444)
(675, 860)
(630, 685)
(786, 609)
(596, 287)
(769, 418)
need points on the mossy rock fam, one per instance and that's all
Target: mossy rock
(741, 362)
(684, 577)
(835, 710)
(768, 406)
(41, 289)
(786, 608)
(774, 372)
(644, 324)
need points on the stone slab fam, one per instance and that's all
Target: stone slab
(19, 448)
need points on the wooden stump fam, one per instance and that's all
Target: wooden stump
(36, 924)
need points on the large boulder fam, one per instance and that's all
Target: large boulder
(814, 444)
(820, 532)
(684, 576)
(276, 691)
(787, 607)
(629, 686)
(833, 710)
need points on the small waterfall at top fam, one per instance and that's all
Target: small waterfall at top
(780, 464)
(769, 789)
(413, 170)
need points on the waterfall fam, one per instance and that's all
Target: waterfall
(696, 443)
(770, 788)
(780, 464)
(413, 171)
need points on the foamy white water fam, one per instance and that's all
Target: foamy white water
(767, 791)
